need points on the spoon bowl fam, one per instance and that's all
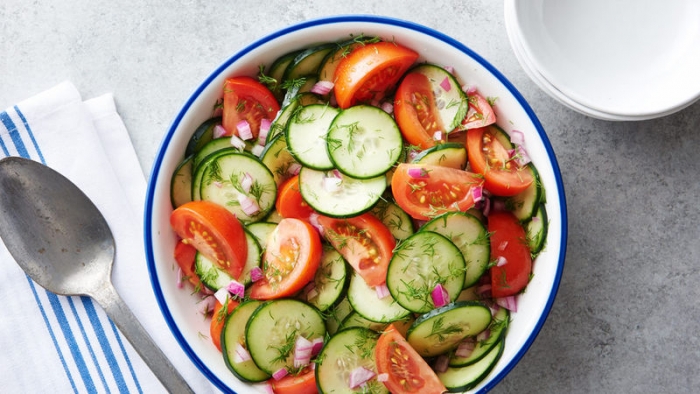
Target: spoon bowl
(61, 240)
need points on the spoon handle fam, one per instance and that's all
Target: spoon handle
(121, 315)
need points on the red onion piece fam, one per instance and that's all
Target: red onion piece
(206, 305)
(280, 373)
(244, 130)
(222, 295)
(236, 289)
(465, 348)
(521, 156)
(477, 193)
(257, 150)
(241, 355)
(247, 182)
(449, 69)
(383, 377)
(248, 205)
(484, 335)
(302, 352)
(387, 107)
(316, 345)
(256, 274)
(382, 291)
(509, 303)
(440, 296)
(359, 376)
(218, 132)
(445, 84)
(322, 87)
(265, 124)
(179, 281)
(267, 388)
(237, 142)
(418, 172)
(294, 169)
(517, 137)
(501, 261)
(437, 136)
(441, 363)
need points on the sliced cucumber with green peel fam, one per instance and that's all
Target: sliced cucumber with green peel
(338, 195)
(354, 319)
(277, 159)
(277, 70)
(461, 379)
(497, 331)
(394, 218)
(273, 329)
(364, 141)
(442, 329)
(209, 148)
(261, 231)
(419, 264)
(524, 205)
(326, 71)
(232, 336)
(337, 314)
(307, 62)
(307, 132)
(470, 236)
(536, 229)
(202, 135)
(215, 278)
(364, 300)
(330, 282)
(343, 353)
(450, 154)
(181, 183)
(450, 99)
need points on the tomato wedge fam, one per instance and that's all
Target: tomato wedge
(365, 243)
(290, 203)
(302, 383)
(218, 319)
(370, 72)
(184, 255)
(487, 156)
(479, 114)
(249, 100)
(291, 259)
(416, 112)
(509, 244)
(407, 371)
(213, 231)
(425, 191)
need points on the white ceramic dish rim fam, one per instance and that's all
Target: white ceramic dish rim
(548, 270)
(556, 80)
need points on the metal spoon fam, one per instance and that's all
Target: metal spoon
(62, 241)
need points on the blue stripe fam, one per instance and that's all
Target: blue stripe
(126, 356)
(87, 341)
(104, 343)
(14, 135)
(2, 143)
(31, 135)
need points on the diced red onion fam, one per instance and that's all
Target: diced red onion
(265, 124)
(483, 289)
(522, 157)
(440, 296)
(445, 84)
(501, 261)
(449, 69)
(218, 132)
(248, 205)
(311, 291)
(244, 130)
(313, 220)
(280, 373)
(267, 388)
(256, 273)
(465, 348)
(382, 291)
(302, 352)
(359, 376)
(247, 182)
(413, 154)
(241, 355)
(257, 150)
(294, 168)
(517, 137)
(322, 87)
(387, 107)
(383, 377)
(206, 305)
(484, 335)
(222, 295)
(469, 89)
(509, 303)
(477, 193)
(441, 363)
(236, 288)
(316, 345)
(437, 136)
(237, 142)
(179, 281)
(418, 172)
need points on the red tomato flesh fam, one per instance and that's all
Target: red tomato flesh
(213, 231)
(290, 203)
(218, 319)
(184, 255)
(425, 191)
(416, 112)
(508, 241)
(302, 383)
(480, 113)
(291, 259)
(247, 99)
(407, 371)
(370, 71)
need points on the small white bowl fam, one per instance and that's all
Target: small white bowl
(179, 306)
(616, 60)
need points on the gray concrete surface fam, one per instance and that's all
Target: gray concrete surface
(626, 318)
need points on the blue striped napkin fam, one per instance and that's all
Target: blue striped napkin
(51, 343)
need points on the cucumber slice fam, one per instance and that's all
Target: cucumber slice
(277, 70)
(201, 169)
(221, 183)
(394, 218)
(536, 230)
(330, 281)
(273, 328)
(364, 142)
(202, 135)
(307, 131)
(181, 183)
(337, 314)
(277, 159)
(497, 331)
(261, 231)
(450, 98)
(470, 236)
(461, 379)
(307, 62)
(419, 263)
(524, 205)
(279, 125)
(209, 148)
(344, 352)
(449, 154)
(215, 278)
(232, 335)
(364, 300)
(350, 197)
(354, 319)
(441, 329)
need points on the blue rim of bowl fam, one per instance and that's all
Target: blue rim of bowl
(148, 225)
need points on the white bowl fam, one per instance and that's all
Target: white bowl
(617, 60)
(178, 306)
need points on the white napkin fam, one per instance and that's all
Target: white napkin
(59, 344)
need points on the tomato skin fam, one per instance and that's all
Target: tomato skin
(303, 383)
(370, 71)
(408, 372)
(247, 99)
(213, 231)
(479, 114)
(508, 240)
(290, 203)
(184, 255)
(218, 318)
(416, 112)
(292, 256)
(368, 255)
(482, 149)
(442, 190)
